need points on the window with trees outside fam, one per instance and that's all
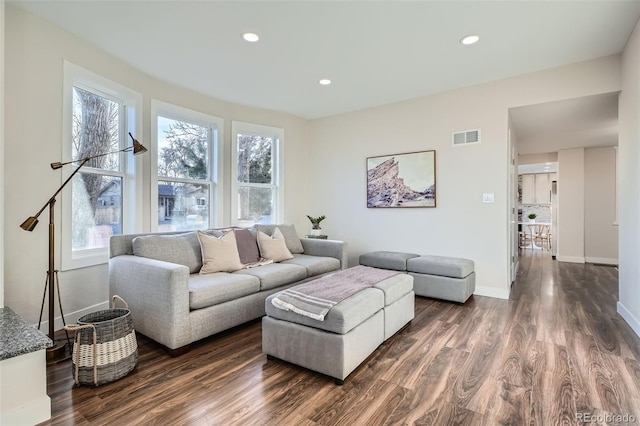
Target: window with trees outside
(256, 170)
(187, 168)
(98, 122)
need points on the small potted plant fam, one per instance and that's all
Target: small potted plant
(315, 224)
(532, 217)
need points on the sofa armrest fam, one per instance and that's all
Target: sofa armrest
(326, 248)
(157, 293)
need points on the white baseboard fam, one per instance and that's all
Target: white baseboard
(497, 293)
(629, 318)
(602, 260)
(72, 318)
(570, 259)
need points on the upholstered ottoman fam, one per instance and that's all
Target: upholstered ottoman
(440, 277)
(348, 334)
(447, 278)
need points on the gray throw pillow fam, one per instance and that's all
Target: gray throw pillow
(290, 236)
(247, 246)
(183, 249)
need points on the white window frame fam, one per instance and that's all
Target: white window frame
(75, 75)
(215, 161)
(238, 127)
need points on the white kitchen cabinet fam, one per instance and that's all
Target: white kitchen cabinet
(536, 188)
(528, 189)
(543, 188)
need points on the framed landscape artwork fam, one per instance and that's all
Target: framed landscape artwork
(402, 180)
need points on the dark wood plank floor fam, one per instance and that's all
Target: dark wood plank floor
(554, 354)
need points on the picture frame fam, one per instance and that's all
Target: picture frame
(402, 180)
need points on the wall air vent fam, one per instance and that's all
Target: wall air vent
(465, 138)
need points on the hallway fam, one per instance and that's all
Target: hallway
(592, 354)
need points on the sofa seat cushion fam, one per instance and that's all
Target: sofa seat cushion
(387, 260)
(219, 287)
(275, 274)
(341, 318)
(316, 265)
(453, 267)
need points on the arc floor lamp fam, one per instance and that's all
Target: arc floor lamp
(57, 351)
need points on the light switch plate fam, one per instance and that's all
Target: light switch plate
(487, 197)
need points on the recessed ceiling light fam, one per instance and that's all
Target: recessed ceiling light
(325, 82)
(251, 37)
(470, 39)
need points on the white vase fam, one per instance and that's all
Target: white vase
(532, 220)
(315, 232)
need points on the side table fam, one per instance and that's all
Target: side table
(317, 237)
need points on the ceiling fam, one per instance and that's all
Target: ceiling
(375, 52)
(586, 122)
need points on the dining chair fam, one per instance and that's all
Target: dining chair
(542, 233)
(523, 239)
(530, 234)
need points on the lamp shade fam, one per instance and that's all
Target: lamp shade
(138, 148)
(29, 224)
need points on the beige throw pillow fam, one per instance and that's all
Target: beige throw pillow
(273, 247)
(219, 254)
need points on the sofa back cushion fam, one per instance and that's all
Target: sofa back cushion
(219, 254)
(183, 249)
(290, 236)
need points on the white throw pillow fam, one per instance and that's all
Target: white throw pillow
(273, 247)
(219, 254)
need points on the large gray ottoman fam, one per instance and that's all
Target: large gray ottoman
(350, 332)
(440, 277)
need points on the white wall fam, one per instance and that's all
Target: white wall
(629, 180)
(513, 200)
(547, 157)
(2, 152)
(600, 234)
(35, 51)
(461, 225)
(570, 240)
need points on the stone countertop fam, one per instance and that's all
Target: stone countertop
(17, 337)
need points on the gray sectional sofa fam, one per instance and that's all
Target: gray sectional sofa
(171, 303)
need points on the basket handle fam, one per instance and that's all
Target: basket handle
(76, 328)
(115, 298)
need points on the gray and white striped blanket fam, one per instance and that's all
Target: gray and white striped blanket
(314, 298)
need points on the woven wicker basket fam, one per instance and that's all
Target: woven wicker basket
(105, 347)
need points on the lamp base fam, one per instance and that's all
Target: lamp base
(59, 352)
